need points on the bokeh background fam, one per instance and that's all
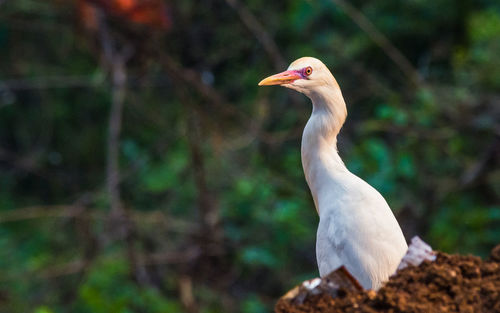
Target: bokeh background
(143, 170)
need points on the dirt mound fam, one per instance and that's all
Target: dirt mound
(452, 283)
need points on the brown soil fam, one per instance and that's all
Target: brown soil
(452, 283)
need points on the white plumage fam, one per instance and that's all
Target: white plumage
(356, 228)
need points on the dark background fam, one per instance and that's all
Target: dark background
(143, 170)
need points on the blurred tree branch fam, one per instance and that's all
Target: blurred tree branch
(186, 293)
(76, 266)
(260, 33)
(119, 77)
(47, 82)
(169, 223)
(115, 59)
(381, 40)
(253, 126)
(485, 161)
(193, 79)
(210, 235)
(209, 212)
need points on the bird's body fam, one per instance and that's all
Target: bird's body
(356, 228)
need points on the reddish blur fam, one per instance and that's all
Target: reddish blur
(151, 13)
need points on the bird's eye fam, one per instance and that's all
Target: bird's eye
(308, 71)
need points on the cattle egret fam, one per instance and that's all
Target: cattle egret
(356, 228)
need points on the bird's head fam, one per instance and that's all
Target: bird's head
(306, 75)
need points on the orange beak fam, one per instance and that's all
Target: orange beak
(285, 77)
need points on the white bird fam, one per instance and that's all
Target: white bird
(356, 228)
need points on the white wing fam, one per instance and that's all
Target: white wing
(357, 229)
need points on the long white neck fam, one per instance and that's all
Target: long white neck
(320, 158)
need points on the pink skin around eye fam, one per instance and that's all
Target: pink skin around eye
(303, 73)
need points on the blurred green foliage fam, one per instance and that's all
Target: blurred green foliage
(431, 149)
